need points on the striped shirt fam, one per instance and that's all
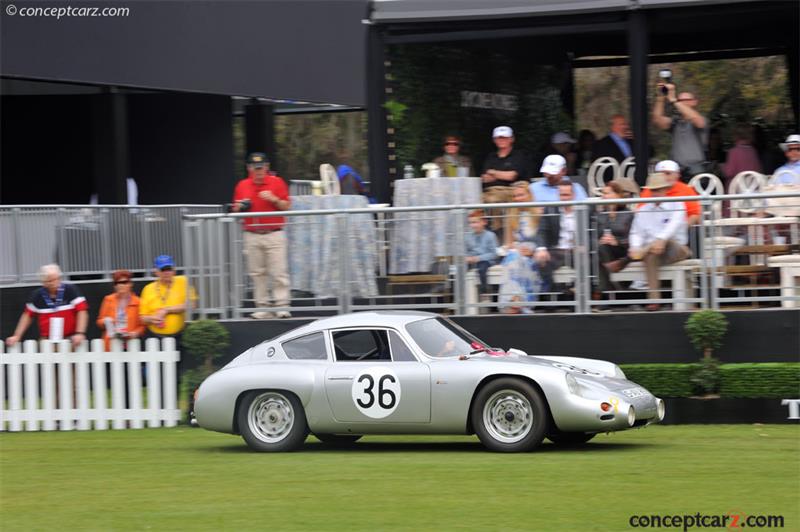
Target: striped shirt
(66, 304)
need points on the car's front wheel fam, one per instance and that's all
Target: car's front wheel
(339, 440)
(272, 421)
(567, 439)
(509, 415)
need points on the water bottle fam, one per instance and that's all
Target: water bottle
(408, 172)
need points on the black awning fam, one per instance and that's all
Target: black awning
(281, 49)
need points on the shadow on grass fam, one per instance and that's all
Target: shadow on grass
(438, 447)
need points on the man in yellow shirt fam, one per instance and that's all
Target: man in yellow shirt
(164, 302)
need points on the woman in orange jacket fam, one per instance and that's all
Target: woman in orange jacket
(119, 313)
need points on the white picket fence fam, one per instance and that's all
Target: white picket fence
(46, 386)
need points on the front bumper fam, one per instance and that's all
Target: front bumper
(578, 414)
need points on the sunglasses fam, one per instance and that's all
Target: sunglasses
(793, 148)
(123, 282)
(166, 269)
(452, 143)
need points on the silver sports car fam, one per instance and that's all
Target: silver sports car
(414, 373)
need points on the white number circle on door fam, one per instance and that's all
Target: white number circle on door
(376, 392)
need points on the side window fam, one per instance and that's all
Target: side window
(400, 351)
(311, 347)
(361, 345)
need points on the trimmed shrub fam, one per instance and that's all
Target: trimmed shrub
(663, 380)
(706, 328)
(761, 380)
(777, 380)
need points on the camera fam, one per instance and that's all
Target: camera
(666, 76)
(244, 205)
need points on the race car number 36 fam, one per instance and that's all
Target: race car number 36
(376, 392)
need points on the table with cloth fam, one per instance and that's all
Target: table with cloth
(313, 243)
(417, 238)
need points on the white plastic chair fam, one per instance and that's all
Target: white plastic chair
(627, 168)
(709, 185)
(329, 179)
(747, 182)
(597, 171)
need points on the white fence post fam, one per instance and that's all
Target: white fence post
(100, 410)
(46, 386)
(31, 387)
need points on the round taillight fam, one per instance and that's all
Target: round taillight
(605, 407)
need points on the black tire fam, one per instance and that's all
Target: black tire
(338, 440)
(272, 421)
(567, 439)
(512, 396)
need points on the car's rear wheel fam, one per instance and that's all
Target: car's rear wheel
(338, 440)
(509, 415)
(272, 421)
(570, 438)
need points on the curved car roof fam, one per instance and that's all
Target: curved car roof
(376, 318)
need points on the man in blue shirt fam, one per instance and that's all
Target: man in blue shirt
(481, 246)
(554, 168)
(789, 173)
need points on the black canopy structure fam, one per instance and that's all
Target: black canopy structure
(588, 33)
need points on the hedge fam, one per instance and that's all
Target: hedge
(762, 380)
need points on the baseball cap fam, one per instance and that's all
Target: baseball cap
(657, 181)
(561, 138)
(502, 131)
(163, 261)
(553, 164)
(667, 166)
(791, 139)
(257, 158)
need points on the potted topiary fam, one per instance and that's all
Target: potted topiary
(706, 329)
(206, 340)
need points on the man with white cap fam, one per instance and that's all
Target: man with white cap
(789, 173)
(554, 169)
(562, 143)
(504, 167)
(658, 234)
(672, 172)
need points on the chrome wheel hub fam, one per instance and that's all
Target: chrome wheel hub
(508, 416)
(270, 417)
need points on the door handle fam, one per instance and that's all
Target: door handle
(342, 378)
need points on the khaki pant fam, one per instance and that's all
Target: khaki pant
(673, 252)
(267, 266)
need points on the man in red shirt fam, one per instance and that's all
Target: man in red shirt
(672, 172)
(61, 310)
(264, 238)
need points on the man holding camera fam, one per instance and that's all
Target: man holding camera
(688, 127)
(264, 238)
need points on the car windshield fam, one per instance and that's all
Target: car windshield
(440, 337)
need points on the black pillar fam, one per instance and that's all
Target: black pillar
(638, 50)
(110, 146)
(376, 117)
(259, 128)
(793, 65)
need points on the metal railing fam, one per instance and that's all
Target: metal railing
(89, 241)
(351, 279)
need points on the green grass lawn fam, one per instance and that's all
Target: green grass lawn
(191, 479)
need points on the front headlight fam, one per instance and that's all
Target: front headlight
(573, 385)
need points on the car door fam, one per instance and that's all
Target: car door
(376, 378)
